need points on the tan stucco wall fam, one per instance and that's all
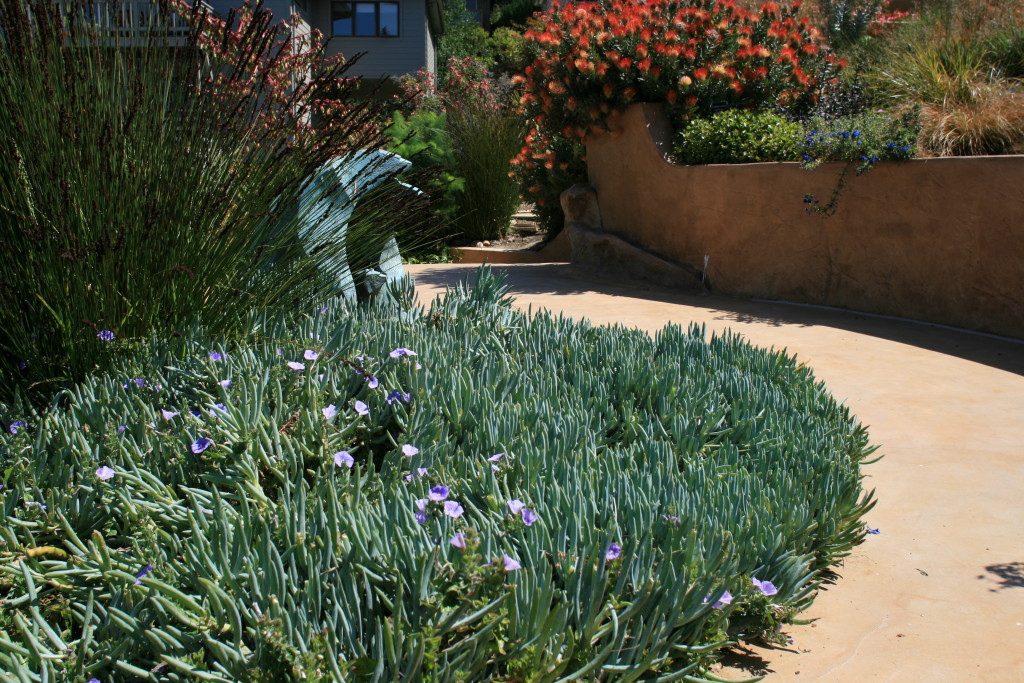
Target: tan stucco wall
(940, 240)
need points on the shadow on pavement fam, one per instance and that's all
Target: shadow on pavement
(560, 279)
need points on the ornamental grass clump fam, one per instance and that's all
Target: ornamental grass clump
(148, 179)
(465, 493)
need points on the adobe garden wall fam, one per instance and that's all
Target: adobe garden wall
(940, 240)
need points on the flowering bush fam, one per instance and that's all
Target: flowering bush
(380, 492)
(594, 58)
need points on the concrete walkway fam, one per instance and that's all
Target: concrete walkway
(938, 595)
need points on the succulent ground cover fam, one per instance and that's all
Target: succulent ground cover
(454, 494)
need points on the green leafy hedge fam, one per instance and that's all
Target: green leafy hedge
(266, 527)
(737, 136)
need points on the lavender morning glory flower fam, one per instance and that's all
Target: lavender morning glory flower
(121, 428)
(298, 367)
(168, 414)
(453, 509)
(323, 309)
(215, 356)
(418, 366)
(93, 680)
(496, 457)
(225, 383)
(529, 517)
(459, 541)
(15, 425)
(408, 450)
(515, 506)
(105, 335)
(343, 458)
(310, 354)
(402, 352)
(614, 550)
(201, 444)
(872, 531)
(330, 411)
(511, 565)
(105, 473)
(420, 472)
(373, 382)
(362, 408)
(142, 574)
(421, 503)
(421, 517)
(139, 382)
(280, 351)
(438, 493)
(722, 601)
(766, 587)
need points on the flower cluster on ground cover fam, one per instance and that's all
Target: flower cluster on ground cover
(462, 493)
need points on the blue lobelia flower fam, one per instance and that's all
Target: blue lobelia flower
(402, 352)
(438, 493)
(372, 382)
(16, 425)
(215, 356)
(362, 408)
(614, 550)
(201, 444)
(529, 517)
(105, 335)
(342, 458)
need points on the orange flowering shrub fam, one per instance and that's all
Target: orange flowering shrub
(593, 58)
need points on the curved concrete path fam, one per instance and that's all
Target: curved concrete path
(938, 595)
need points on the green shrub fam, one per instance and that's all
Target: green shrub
(266, 527)
(736, 137)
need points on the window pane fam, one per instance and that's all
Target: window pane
(341, 18)
(389, 18)
(366, 19)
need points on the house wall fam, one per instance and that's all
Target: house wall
(940, 240)
(404, 54)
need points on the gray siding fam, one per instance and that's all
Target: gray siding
(404, 54)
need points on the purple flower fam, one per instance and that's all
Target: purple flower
(402, 352)
(453, 509)
(671, 518)
(105, 473)
(201, 444)
(529, 517)
(421, 503)
(310, 354)
(373, 382)
(614, 550)
(515, 506)
(420, 472)
(121, 428)
(362, 408)
(225, 383)
(215, 356)
(218, 406)
(280, 351)
(722, 601)
(15, 425)
(105, 335)
(142, 574)
(343, 458)
(93, 680)
(496, 457)
(872, 531)
(195, 413)
(418, 366)
(22, 365)
(408, 450)
(35, 503)
(398, 396)
(766, 587)
(438, 493)
(139, 382)
(330, 411)
(323, 309)
(511, 565)
(168, 414)
(459, 541)
(298, 367)
(421, 517)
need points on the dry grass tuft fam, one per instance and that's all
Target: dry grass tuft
(990, 122)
